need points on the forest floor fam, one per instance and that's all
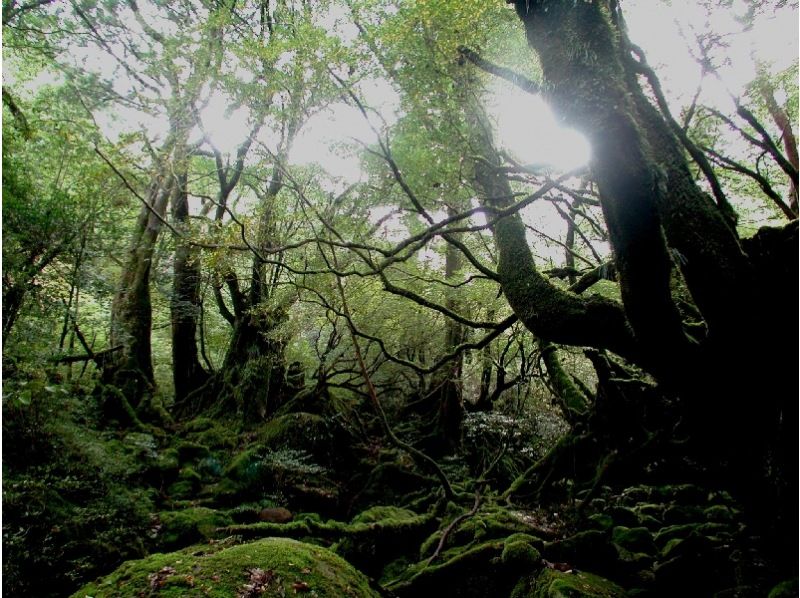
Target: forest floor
(302, 505)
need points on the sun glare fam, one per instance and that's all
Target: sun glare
(527, 129)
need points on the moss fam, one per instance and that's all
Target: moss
(471, 573)
(520, 552)
(683, 514)
(666, 534)
(301, 431)
(181, 490)
(199, 424)
(683, 493)
(584, 548)
(383, 513)
(179, 528)
(601, 521)
(168, 462)
(210, 433)
(624, 516)
(189, 451)
(246, 467)
(636, 539)
(555, 584)
(281, 567)
(649, 509)
(188, 474)
(718, 513)
(785, 589)
(492, 523)
(382, 534)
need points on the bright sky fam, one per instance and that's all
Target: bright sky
(525, 124)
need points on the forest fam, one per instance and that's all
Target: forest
(385, 298)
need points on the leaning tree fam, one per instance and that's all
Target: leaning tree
(723, 358)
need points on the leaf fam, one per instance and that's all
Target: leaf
(24, 398)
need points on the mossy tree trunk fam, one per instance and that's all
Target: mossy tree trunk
(446, 406)
(187, 372)
(730, 382)
(131, 369)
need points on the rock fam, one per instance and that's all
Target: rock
(600, 521)
(269, 568)
(519, 551)
(585, 549)
(189, 451)
(634, 539)
(275, 515)
(624, 516)
(785, 589)
(188, 526)
(556, 584)
(678, 514)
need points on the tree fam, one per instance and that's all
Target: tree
(656, 216)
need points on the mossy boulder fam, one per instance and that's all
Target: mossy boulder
(188, 526)
(382, 534)
(600, 521)
(272, 567)
(520, 552)
(299, 431)
(468, 572)
(555, 584)
(191, 451)
(586, 549)
(635, 539)
(210, 433)
(785, 589)
(492, 523)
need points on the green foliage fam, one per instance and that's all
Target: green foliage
(68, 505)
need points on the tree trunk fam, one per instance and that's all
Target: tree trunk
(787, 135)
(447, 400)
(188, 374)
(131, 370)
(645, 186)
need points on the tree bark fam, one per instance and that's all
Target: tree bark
(131, 312)
(787, 135)
(645, 187)
(188, 374)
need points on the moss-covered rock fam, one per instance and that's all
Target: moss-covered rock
(586, 549)
(520, 552)
(383, 513)
(299, 431)
(689, 494)
(678, 514)
(555, 584)
(273, 567)
(489, 524)
(600, 521)
(168, 462)
(210, 433)
(180, 490)
(785, 589)
(190, 451)
(473, 572)
(382, 534)
(721, 530)
(188, 526)
(719, 514)
(634, 539)
(624, 516)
